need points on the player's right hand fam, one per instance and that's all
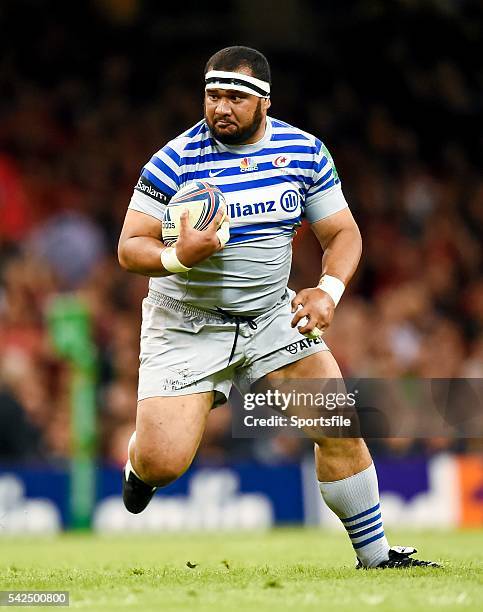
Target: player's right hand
(313, 308)
(194, 245)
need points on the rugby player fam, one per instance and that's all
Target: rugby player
(218, 314)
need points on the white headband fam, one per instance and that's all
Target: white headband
(219, 79)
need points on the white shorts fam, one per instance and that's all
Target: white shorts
(186, 350)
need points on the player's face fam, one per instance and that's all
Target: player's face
(235, 117)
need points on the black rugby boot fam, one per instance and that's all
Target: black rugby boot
(400, 557)
(136, 494)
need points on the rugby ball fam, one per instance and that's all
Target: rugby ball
(202, 200)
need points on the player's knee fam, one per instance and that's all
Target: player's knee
(160, 471)
(340, 447)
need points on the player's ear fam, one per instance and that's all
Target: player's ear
(267, 103)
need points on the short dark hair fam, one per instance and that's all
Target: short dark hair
(231, 58)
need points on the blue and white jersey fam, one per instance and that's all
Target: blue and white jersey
(269, 187)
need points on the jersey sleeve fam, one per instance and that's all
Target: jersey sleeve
(158, 182)
(324, 196)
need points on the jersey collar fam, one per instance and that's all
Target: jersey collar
(245, 149)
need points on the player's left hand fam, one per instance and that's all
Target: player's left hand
(316, 305)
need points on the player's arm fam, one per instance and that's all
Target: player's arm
(341, 242)
(331, 220)
(141, 250)
(340, 239)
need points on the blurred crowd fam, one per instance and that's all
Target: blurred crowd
(91, 90)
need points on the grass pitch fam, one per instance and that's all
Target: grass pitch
(284, 569)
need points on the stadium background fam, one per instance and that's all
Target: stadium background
(91, 89)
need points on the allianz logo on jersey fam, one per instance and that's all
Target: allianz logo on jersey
(288, 205)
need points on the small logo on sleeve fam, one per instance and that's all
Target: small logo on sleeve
(145, 186)
(325, 150)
